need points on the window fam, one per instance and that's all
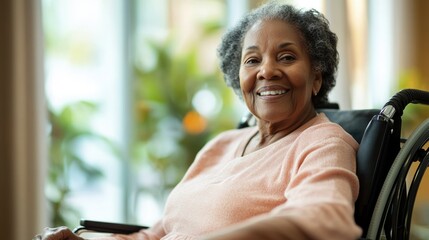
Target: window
(85, 74)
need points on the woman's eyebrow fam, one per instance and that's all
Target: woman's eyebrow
(286, 44)
(252, 47)
(280, 46)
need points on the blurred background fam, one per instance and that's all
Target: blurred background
(104, 103)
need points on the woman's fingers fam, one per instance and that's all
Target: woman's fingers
(59, 233)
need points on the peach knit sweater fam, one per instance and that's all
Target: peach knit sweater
(302, 186)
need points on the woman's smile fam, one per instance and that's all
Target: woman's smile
(270, 91)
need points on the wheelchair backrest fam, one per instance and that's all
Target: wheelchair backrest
(353, 121)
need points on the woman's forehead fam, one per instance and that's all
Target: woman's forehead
(271, 31)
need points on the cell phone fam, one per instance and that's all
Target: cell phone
(109, 227)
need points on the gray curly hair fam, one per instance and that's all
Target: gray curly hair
(320, 42)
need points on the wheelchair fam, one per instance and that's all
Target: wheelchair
(385, 203)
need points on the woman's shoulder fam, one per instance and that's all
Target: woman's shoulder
(321, 128)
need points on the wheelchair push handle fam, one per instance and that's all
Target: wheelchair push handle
(400, 100)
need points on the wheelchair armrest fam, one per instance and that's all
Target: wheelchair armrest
(107, 227)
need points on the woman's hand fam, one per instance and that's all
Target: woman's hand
(59, 233)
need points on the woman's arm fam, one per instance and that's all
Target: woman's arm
(317, 222)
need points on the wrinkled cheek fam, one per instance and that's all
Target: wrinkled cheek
(247, 94)
(246, 84)
(250, 102)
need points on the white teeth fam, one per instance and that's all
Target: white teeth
(275, 92)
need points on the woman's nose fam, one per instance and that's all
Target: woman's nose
(268, 71)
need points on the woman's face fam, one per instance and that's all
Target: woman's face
(276, 77)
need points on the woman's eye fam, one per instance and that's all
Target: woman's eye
(287, 58)
(251, 61)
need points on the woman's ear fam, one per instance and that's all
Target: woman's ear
(317, 83)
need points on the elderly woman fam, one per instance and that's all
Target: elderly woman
(292, 176)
